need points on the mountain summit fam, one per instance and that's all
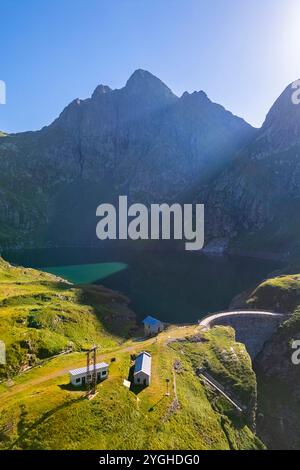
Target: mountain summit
(144, 81)
(282, 124)
(140, 140)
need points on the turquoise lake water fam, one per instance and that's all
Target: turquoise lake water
(86, 273)
(174, 286)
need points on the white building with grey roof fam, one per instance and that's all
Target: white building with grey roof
(142, 369)
(78, 377)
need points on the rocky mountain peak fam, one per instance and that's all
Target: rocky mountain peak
(197, 98)
(70, 116)
(143, 82)
(282, 124)
(140, 140)
(101, 90)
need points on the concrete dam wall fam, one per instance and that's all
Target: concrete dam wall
(253, 328)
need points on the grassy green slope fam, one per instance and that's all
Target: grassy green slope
(40, 411)
(281, 294)
(42, 315)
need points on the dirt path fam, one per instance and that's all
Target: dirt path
(175, 385)
(164, 338)
(53, 375)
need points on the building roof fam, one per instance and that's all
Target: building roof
(83, 370)
(143, 363)
(151, 321)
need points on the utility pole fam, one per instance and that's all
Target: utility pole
(91, 373)
(167, 382)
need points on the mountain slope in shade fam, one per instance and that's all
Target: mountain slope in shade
(254, 204)
(140, 140)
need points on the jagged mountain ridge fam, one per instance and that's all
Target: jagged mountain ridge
(140, 140)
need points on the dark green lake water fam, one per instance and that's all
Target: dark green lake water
(173, 286)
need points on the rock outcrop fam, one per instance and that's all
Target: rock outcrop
(278, 378)
(254, 203)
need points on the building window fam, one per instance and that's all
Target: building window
(138, 380)
(78, 380)
(103, 373)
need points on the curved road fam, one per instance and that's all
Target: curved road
(205, 322)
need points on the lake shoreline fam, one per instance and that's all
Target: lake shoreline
(174, 286)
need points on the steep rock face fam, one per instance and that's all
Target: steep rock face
(281, 129)
(279, 388)
(278, 379)
(140, 140)
(254, 203)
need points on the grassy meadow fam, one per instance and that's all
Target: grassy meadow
(43, 316)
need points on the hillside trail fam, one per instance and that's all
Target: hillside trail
(163, 338)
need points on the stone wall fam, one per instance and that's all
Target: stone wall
(252, 329)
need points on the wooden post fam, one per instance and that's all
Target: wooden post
(167, 382)
(91, 382)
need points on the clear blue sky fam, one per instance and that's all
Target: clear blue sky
(241, 52)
